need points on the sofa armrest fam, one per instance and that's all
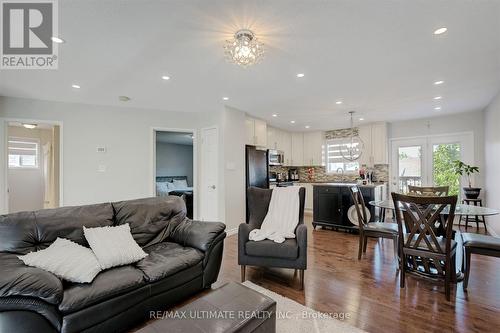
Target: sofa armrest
(243, 233)
(197, 234)
(301, 234)
(17, 279)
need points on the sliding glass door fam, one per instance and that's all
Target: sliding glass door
(428, 161)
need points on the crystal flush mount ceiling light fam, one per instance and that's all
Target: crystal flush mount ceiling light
(244, 50)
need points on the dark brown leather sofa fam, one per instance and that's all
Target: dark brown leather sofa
(184, 258)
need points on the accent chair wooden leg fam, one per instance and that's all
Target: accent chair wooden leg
(243, 273)
(447, 281)
(402, 271)
(301, 279)
(360, 250)
(467, 269)
(365, 240)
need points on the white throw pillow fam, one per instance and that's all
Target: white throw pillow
(113, 246)
(161, 187)
(67, 260)
(170, 186)
(180, 183)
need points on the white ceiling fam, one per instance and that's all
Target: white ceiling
(380, 57)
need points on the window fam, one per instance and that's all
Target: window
(334, 159)
(23, 153)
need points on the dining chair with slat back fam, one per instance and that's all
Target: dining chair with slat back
(428, 191)
(421, 248)
(371, 229)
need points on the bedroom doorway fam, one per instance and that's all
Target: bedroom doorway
(175, 170)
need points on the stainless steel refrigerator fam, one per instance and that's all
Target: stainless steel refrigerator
(257, 170)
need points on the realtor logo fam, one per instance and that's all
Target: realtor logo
(27, 30)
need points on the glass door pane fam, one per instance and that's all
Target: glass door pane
(409, 167)
(443, 156)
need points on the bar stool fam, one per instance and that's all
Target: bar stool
(474, 202)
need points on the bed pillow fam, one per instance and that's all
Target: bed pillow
(162, 187)
(113, 246)
(171, 186)
(65, 259)
(180, 183)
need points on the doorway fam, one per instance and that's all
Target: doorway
(175, 168)
(428, 161)
(33, 166)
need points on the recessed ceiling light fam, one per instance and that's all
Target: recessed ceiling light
(338, 102)
(437, 83)
(165, 77)
(57, 40)
(300, 75)
(124, 98)
(275, 115)
(292, 121)
(307, 126)
(440, 31)
(361, 119)
(437, 108)
(225, 98)
(438, 97)
(76, 86)
(30, 126)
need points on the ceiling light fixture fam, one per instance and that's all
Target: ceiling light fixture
(30, 126)
(292, 121)
(307, 126)
(437, 108)
(361, 119)
(225, 98)
(437, 83)
(352, 146)
(123, 98)
(275, 115)
(300, 75)
(244, 49)
(165, 77)
(438, 97)
(440, 31)
(57, 40)
(76, 86)
(338, 102)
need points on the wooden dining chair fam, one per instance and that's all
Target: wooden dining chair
(371, 229)
(421, 249)
(426, 191)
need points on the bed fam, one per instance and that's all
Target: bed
(178, 186)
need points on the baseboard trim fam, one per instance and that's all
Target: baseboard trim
(231, 232)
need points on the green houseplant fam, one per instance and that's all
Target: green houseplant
(461, 169)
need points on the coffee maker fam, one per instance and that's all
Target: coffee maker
(293, 174)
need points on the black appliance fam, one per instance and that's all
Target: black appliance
(257, 169)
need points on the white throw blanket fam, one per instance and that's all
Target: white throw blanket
(282, 216)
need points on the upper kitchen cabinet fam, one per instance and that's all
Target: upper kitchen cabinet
(313, 148)
(256, 132)
(273, 137)
(376, 142)
(297, 158)
(285, 145)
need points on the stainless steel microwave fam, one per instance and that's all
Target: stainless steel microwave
(276, 157)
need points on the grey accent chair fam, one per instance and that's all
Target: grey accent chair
(292, 253)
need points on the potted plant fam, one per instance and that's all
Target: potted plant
(461, 169)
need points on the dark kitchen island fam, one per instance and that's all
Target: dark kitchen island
(331, 201)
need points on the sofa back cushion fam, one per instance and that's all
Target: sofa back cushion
(31, 231)
(151, 220)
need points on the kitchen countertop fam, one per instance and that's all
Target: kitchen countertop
(341, 184)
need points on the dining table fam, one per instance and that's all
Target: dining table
(460, 210)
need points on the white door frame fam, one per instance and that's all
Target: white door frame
(195, 162)
(4, 122)
(466, 140)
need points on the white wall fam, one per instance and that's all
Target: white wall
(125, 132)
(26, 185)
(492, 162)
(461, 122)
(174, 160)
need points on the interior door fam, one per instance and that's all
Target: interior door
(209, 199)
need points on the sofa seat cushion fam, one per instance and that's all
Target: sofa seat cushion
(106, 285)
(268, 248)
(166, 258)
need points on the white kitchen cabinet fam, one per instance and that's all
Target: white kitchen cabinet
(272, 138)
(376, 144)
(297, 158)
(313, 148)
(256, 132)
(285, 145)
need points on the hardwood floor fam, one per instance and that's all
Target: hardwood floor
(368, 290)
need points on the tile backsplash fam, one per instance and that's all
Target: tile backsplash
(319, 174)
